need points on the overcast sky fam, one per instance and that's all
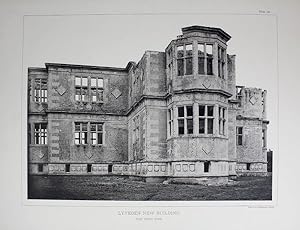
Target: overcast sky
(114, 40)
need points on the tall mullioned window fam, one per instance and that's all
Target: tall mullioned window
(189, 119)
(206, 119)
(170, 121)
(185, 116)
(221, 62)
(222, 120)
(185, 59)
(81, 88)
(96, 130)
(239, 95)
(188, 59)
(180, 61)
(97, 89)
(205, 58)
(239, 135)
(40, 133)
(264, 140)
(40, 90)
(180, 120)
(81, 132)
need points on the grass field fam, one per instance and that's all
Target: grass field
(121, 188)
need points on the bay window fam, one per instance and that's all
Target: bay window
(206, 119)
(205, 59)
(184, 59)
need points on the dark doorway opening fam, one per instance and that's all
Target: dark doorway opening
(206, 166)
(89, 168)
(40, 167)
(248, 166)
(109, 168)
(67, 167)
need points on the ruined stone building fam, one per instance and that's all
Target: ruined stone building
(175, 115)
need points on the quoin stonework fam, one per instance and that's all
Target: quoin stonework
(176, 115)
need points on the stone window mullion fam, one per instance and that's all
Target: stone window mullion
(172, 128)
(205, 120)
(196, 118)
(89, 89)
(185, 120)
(225, 65)
(217, 120)
(175, 117)
(184, 60)
(226, 122)
(205, 60)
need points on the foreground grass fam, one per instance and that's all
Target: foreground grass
(120, 188)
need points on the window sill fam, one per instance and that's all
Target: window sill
(97, 102)
(81, 102)
(86, 145)
(205, 75)
(197, 136)
(40, 103)
(89, 102)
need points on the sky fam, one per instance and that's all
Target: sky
(114, 40)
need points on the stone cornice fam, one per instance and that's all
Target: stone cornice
(90, 67)
(195, 90)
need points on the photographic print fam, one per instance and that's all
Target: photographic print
(151, 107)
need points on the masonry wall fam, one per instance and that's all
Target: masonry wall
(251, 157)
(135, 140)
(251, 103)
(137, 134)
(61, 91)
(156, 74)
(62, 145)
(232, 151)
(251, 149)
(231, 80)
(250, 116)
(156, 133)
(137, 76)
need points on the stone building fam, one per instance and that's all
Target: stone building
(174, 115)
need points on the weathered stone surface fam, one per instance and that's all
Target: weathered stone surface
(140, 137)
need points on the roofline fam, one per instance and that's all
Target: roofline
(36, 69)
(77, 66)
(196, 28)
